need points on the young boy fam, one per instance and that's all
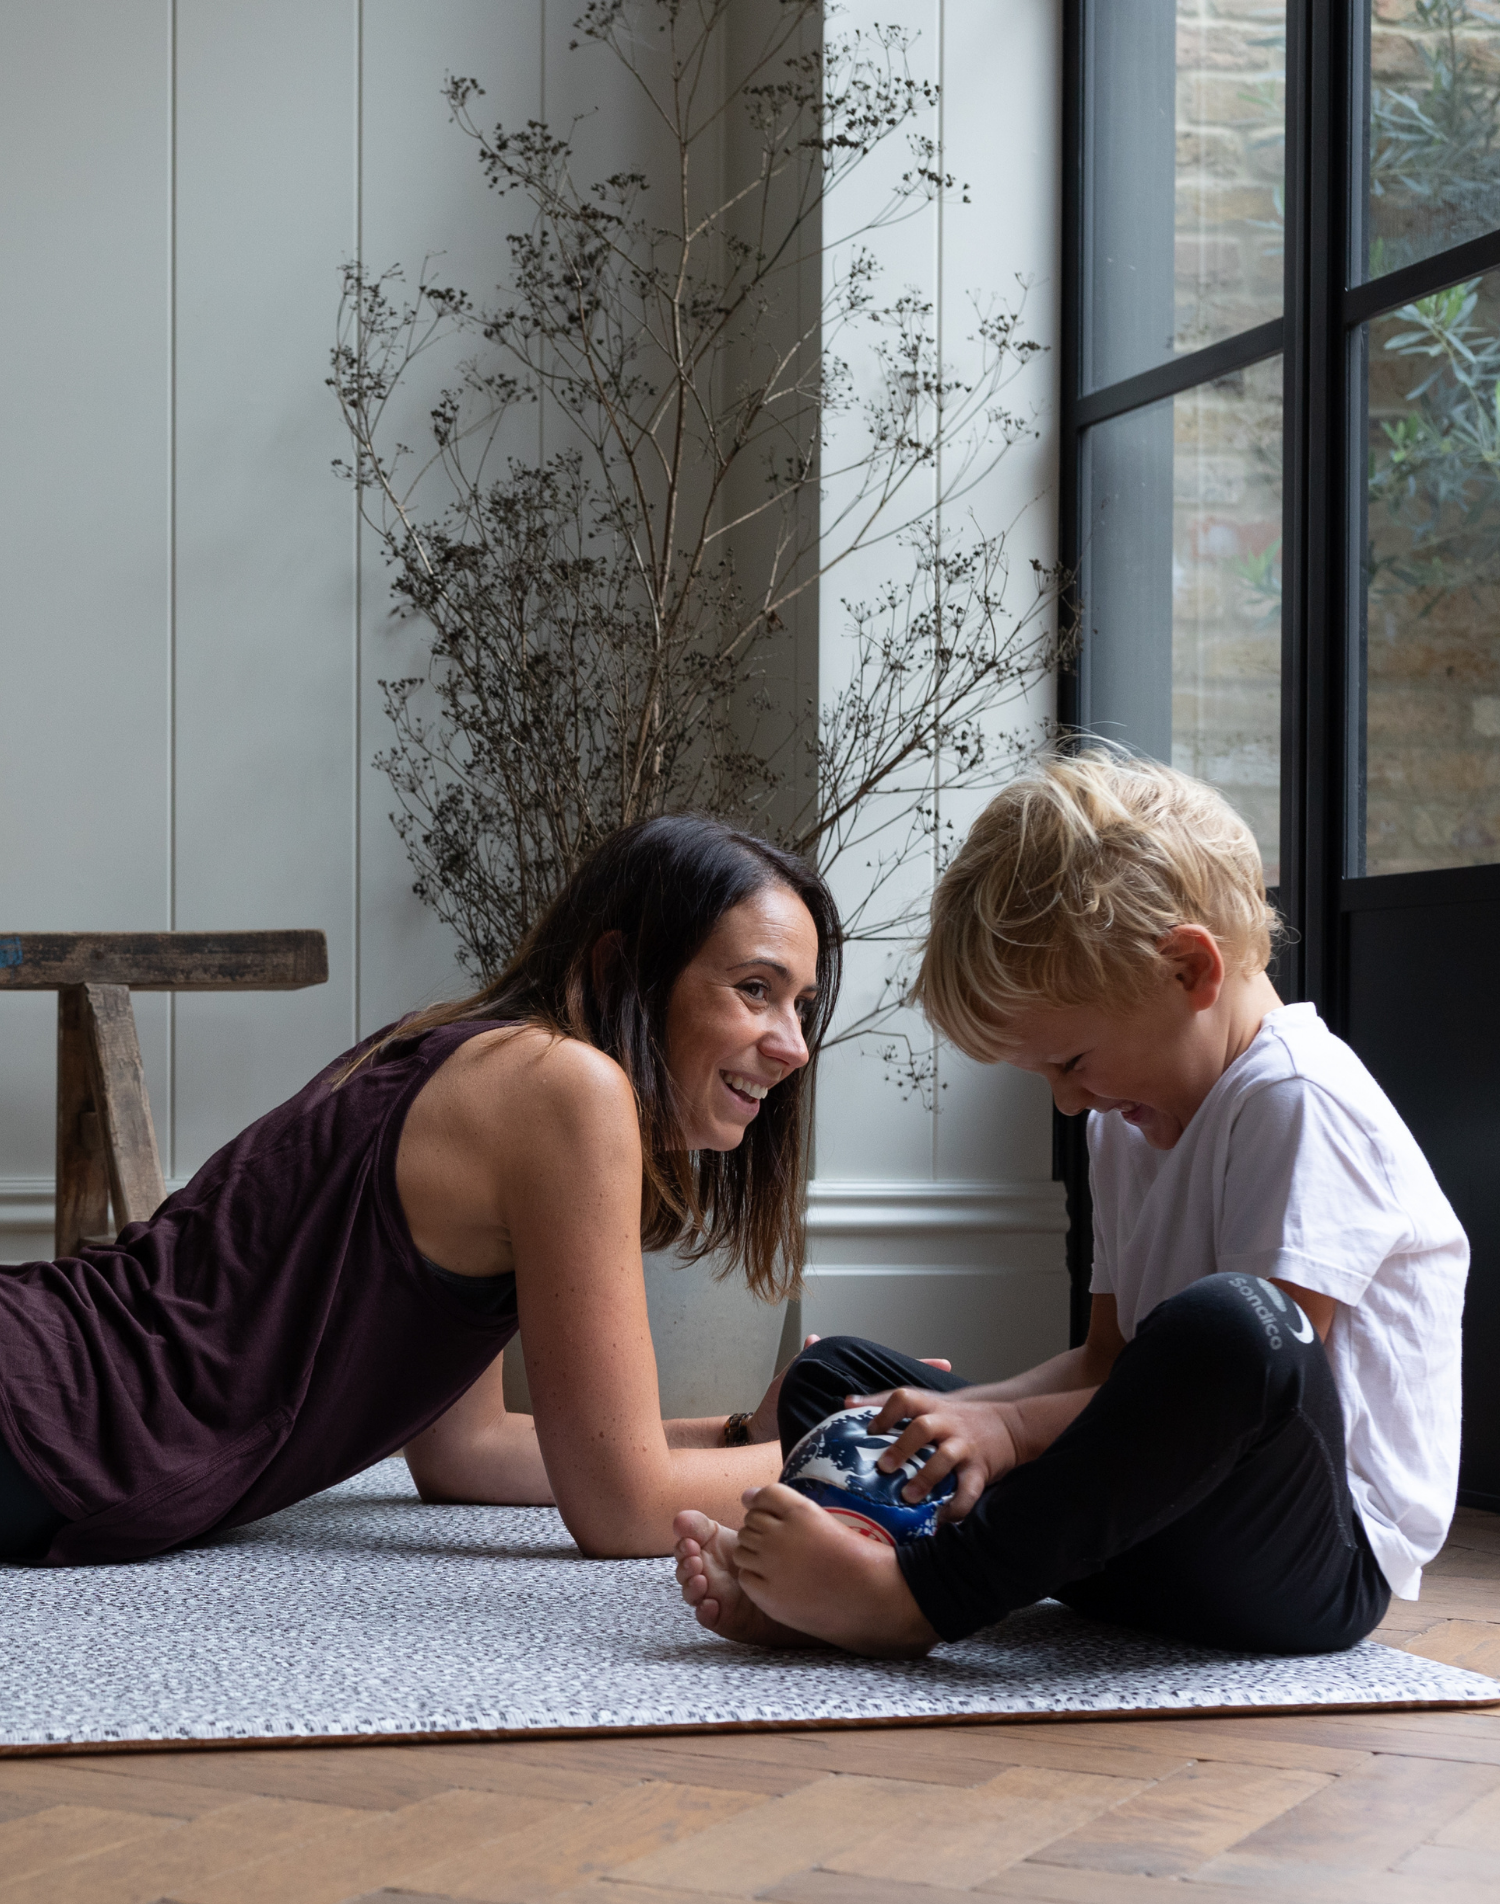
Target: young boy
(1258, 1442)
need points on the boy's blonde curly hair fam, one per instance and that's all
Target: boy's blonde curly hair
(1067, 884)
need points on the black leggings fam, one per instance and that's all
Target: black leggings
(1202, 1493)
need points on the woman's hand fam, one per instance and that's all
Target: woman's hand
(977, 1440)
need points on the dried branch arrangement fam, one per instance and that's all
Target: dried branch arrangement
(609, 620)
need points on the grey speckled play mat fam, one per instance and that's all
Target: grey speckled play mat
(362, 1613)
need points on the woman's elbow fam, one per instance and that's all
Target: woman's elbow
(426, 1468)
(619, 1531)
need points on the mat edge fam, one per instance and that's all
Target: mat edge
(512, 1735)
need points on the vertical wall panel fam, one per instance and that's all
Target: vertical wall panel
(264, 590)
(868, 1127)
(1001, 251)
(424, 196)
(193, 631)
(939, 1273)
(85, 94)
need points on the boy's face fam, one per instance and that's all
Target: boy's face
(1154, 1064)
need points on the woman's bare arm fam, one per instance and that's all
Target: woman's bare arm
(563, 1137)
(574, 1209)
(481, 1452)
(478, 1451)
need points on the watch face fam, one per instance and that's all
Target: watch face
(834, 1465)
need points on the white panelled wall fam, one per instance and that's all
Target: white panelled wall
(192, 629)
(939, 1230)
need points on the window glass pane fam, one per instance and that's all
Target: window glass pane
(1182, 588)
(1429, 794)
(1185, 104)
(1432, 129)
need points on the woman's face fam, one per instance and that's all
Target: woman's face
(734, 1023)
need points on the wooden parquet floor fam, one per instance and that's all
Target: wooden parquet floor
(1384, 1808)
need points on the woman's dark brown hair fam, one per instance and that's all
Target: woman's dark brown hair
(655, 891)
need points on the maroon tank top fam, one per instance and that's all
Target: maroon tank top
(269, 1332)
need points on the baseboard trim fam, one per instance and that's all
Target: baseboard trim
(27, 1204)
(874, 1207)
(883, 1207)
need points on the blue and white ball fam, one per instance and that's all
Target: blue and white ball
(834, 1465)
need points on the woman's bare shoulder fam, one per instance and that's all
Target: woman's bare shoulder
(525, 1075)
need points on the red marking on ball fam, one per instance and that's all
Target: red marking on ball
(862, 1525)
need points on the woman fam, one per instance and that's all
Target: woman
(338, 1282)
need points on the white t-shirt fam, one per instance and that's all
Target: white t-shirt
(1297, 1166)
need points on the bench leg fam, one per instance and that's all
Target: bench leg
(106, 1145)
(119, 1085)
(82, 1174)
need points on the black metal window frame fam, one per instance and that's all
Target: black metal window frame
(1317, 336)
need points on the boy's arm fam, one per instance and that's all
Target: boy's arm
(1306, 1199)
(1317, 1307)
(1087, 1366)
(1035, 1421)
(976, 1444)
(1036, 1415)
(984, 1431)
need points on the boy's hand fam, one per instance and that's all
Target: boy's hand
(977, 1440)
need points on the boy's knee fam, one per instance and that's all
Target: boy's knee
(816, 1374)
(821, 1366)
(816, 1383)
(1233, 1321)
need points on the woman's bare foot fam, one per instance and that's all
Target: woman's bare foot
(706, 1574)
(800, 1567)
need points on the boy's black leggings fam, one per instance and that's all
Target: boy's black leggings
(1202, 1492)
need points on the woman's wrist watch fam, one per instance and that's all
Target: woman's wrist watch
(737, 1431)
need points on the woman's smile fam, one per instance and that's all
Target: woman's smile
(746, 1088)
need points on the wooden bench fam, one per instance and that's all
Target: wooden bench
(106, 1145)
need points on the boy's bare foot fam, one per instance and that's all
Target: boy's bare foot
(706, 1574)
(801, 1568)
